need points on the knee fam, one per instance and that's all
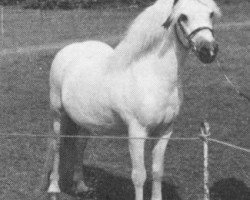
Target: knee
(139, 177)
(57, 126)
(157, 173)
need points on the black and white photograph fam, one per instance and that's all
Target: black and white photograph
(124, 100)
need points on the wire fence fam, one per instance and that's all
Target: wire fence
(204, 137)
(122, 138)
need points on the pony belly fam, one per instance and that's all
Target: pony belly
(98, 120)
(85, 110)
(114, 129)
(91, 109)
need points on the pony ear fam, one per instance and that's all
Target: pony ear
(168, 22)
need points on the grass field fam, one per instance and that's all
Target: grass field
(24, 108)
(34, 27)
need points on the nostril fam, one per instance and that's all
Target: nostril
(205, 51)
(207, 54)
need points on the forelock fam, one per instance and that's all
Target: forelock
(211, 4)
(183, 4)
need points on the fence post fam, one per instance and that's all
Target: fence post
(205, 133)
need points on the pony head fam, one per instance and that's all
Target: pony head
(192, 21)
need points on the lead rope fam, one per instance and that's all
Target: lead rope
(235, 87)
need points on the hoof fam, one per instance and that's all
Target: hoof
(80, 188)
(54, 188)
(54, 196)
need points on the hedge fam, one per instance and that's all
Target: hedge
(71, 4)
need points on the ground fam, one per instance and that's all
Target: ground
(24, 108)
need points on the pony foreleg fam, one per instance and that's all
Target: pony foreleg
(158, 165)
(136, 147)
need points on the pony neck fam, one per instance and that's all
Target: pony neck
(165, 47)
(173, 49)
(171, 55)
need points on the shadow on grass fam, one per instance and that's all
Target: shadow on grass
(230, 189)
(107, 186)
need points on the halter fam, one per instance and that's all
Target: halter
(190, 36)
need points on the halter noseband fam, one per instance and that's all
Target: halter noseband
(190, 36)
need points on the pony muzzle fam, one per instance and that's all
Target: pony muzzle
(206, 51)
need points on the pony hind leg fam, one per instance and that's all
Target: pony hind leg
(79, 184)
(53, 157)
(71, 158)
(64, 156)
(50, 177)
(47, 169)
(54, 146)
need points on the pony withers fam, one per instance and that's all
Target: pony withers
(133, 89)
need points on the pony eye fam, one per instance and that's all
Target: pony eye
(211, 14)
(183, 18)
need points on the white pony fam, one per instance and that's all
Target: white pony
(132, 89)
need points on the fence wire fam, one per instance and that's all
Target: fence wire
(122, 138)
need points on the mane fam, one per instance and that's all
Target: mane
(144, 34)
